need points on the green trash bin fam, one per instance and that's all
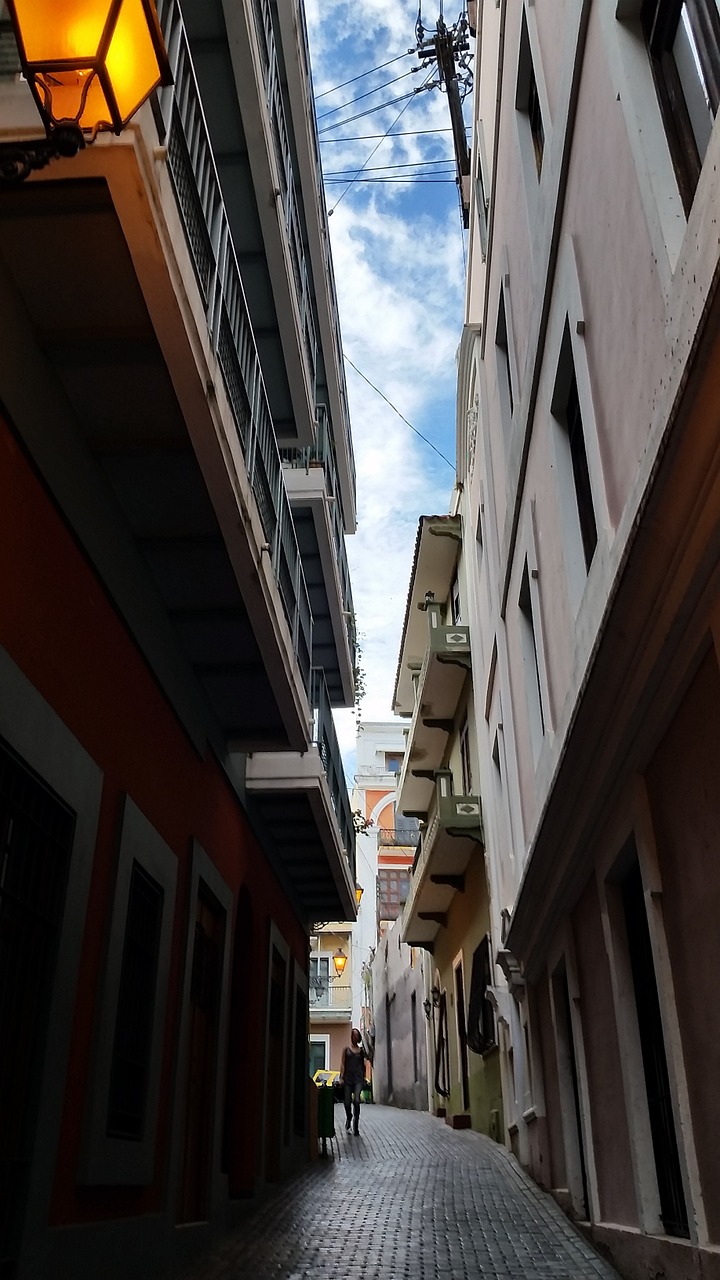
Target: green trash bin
(326, 1114)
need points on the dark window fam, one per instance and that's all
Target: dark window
(581, 474)
(530, 652)
(527, 100)
(652, 1043)
(413, 1017)
(503, 362)
(467, 778)
(132, 1044)
(36, 835)
(683, 40)
(393, 884)
(481, 1015)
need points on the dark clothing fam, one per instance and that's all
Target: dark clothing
(354, 1070)
(354, 1078)
(352, 1092)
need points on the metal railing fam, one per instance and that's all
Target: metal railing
(197, 188)
(325, 738)
(326, 994)
(398, 837)
(322, 454)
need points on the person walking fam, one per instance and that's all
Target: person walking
(352, 1074)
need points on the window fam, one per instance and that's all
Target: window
(481, 201)
(683, 40)
(467, 778)
(319, 981)
(132, 1043)
(530, 657)
(393, 884)
(527, 99)
(393, 762)
(505, 385)
(481, 1033)
(573, 470)
(455, 606)
(413, 1021)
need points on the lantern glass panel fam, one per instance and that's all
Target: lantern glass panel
(62, 95)
(131, 61)
(59, 30)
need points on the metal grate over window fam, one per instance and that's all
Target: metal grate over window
(132, 1044)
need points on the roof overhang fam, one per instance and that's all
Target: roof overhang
(437, 547)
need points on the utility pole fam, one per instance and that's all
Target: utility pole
(449, 48)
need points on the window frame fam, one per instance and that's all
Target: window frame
(660, 20)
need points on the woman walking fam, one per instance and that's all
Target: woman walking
(352, 1074)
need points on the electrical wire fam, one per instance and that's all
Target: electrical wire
(385, 85)
(399, 414)
(360, 76)
(372, 153)
(403, 133)
(381, 107)
(417, 182)
(409, 164)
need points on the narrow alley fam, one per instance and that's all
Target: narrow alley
(409, 1197)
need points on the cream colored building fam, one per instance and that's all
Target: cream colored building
(588, 438)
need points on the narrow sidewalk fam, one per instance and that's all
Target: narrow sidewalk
(408, 1198)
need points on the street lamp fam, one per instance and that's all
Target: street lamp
(359, 891)
(339, 960)
(90, 65)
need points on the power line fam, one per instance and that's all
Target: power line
(408, 181)
(385, 85)
(342, 195)
(381, 107)
(408, 164)
(381, 67)
(399, 414)
(370, 137)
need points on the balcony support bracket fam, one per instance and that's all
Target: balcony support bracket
(435, 917)
(455, 659)
(447, 726)
(452, 882)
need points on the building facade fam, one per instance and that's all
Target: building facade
(447, 912)
(588, 430)
(177, 482)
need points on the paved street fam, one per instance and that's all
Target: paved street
(407, 1198)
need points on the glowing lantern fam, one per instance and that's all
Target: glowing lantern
(339, 960)
(90, 63)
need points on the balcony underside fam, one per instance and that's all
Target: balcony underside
(290, 795)
(241, 156)
(331, 651)
(437, 879)
(441, 684)
(78, 264)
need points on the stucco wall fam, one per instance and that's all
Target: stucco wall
(398, 974)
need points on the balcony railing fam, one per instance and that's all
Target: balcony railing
(325, 738)
(197, 189)
(326, 994)
(291, 216)
(398, 837)
(322, 455)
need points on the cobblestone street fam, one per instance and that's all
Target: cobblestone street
(409, 1198)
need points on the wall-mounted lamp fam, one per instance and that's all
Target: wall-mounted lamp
(359, 891)
(339, 961)
(432, 1002)
(90, 65)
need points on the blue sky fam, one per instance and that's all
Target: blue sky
(398, 252)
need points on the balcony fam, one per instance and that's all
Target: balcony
(453, 835)
(302, 803)
(398, 838)
(438, 687)
(313, 490)
(251, 61)
(329, 1000)
(147, 414)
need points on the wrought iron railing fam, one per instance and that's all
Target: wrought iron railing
(326, 994)
(401, 838)
(322, 454)
(197, 188)
(325, 738)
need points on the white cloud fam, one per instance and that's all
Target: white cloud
(398, 257)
